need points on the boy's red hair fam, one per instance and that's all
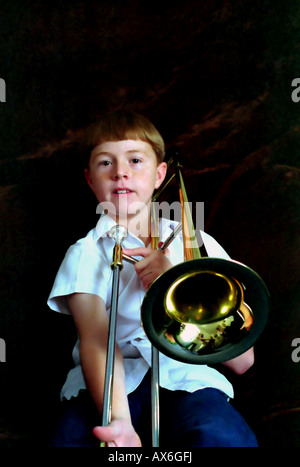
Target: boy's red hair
(122, 125)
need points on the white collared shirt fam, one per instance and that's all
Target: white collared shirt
(86, 269)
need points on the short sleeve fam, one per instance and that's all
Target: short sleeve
(213, 248)
(83, 270)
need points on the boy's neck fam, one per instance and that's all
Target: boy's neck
(139, 226)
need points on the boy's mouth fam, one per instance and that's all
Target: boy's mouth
(122, 191)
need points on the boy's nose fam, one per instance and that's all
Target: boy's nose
(120, 172)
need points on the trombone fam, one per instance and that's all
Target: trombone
(204, 310)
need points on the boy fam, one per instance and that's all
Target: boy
(125, 167)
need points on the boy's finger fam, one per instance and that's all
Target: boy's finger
(105, 433)
(165, 252)
(141, 251)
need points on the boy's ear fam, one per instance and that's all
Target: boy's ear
(160, 174)
(88, 178)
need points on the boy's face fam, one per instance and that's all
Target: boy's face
(124, 174)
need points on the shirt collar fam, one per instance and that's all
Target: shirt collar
(105, 224)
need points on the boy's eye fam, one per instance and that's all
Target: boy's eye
(105, 163)
(136, 160)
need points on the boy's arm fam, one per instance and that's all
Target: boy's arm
(92, 323)
(242, 363)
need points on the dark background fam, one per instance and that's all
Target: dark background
(215, 78)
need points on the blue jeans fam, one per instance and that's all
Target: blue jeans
(203, 418)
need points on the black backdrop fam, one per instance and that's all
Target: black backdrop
(215, 78)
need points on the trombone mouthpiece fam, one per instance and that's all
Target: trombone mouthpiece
(118, 233)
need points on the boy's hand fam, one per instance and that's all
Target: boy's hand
(155, 262)
(119, 433)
